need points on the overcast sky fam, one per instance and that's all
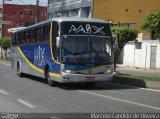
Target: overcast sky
(26, 2)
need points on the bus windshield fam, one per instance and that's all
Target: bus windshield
(86, 49)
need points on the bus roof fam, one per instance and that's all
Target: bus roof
(78, 19)
(13, 30)
(63, 19)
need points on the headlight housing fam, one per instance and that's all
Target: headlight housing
(109, 71)
(69, 71)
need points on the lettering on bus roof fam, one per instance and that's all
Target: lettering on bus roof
(77, 28)
(87, 30)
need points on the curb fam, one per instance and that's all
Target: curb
(136, 82)
(139, 70)
(4, 61)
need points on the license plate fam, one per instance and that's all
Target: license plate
(90, 78)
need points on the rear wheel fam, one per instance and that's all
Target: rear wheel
(20, 74)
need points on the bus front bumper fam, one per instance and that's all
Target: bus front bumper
(69, 78)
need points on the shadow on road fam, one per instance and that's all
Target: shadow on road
(108, 85)
(98, 86)
(35, 78)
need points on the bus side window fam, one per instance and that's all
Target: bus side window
(21, 38)
(13, 39)
(32, 36)
(35, 35)
(29, 36)
(46, 32)
(41, 34)
(26, 37)
(18, 38)
(38, 34)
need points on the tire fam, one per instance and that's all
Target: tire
(90, 84)
(20, 74)
(48, 77)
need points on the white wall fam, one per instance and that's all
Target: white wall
(137, 58)
(3, 53)
(141, 57)
(128, 55)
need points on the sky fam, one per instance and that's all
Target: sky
(25, 2)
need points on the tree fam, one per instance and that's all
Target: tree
(5, 44)
(124, 35)
(1, 45)
(151, 23)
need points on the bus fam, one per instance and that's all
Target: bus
(65, 50)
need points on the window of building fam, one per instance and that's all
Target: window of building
(140, 11)
(74, 12)
(21, 14)
(58, 14)
(126, 10)
(31, 14)
(45, 14)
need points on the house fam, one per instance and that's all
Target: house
(21, 15)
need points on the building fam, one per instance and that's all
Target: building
(0, 20)
(21, 15)
(124, 11)
(70, 8)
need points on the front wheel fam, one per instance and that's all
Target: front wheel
(48, 77)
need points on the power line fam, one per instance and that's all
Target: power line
(22, 2)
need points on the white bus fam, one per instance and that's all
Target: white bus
(65, 50)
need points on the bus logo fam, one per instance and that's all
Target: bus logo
(39, 56)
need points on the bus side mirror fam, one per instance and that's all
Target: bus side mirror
(58, 40)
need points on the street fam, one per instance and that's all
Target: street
(33, 95)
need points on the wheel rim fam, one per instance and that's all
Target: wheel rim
(48, 75)
(18, 69)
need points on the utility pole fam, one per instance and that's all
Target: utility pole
(2, 24)
(37, 11)
(2, 17)
(2, 28)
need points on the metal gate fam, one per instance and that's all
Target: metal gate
(153, 57)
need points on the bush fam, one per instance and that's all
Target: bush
(5, 44)
(151, 23)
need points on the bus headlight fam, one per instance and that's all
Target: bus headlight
(109, 71)
(69, 71)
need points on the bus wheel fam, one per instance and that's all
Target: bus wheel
(20, 74)
(90, 84)
(48, 77)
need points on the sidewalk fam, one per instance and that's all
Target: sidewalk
(139, 72)
(138, 82)
(5, 61)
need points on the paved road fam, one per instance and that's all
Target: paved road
(33, 95)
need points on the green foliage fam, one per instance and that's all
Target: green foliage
(5, 43)
(124, 34)
(1, 40)
(151, 23)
